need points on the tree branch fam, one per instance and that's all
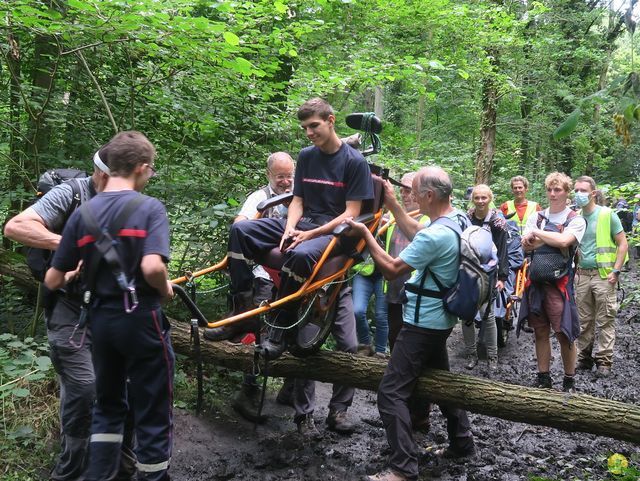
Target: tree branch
(100, 92)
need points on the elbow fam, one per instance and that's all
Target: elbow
(10, 229)
(54, 279)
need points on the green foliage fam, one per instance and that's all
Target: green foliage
(29, 407)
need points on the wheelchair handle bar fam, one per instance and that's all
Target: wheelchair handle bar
(189, 304)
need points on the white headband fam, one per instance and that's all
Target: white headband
(97, 161)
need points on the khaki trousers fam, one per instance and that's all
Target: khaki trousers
(597, 308)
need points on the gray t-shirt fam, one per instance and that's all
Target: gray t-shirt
(54, 206)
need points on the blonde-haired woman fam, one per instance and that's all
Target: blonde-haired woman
(482, 215)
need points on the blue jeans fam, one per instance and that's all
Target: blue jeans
(363, 288)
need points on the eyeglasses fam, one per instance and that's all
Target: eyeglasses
(153, 170)
(281, 177)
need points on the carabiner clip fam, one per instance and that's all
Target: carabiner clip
(84, 334)
(130, 294)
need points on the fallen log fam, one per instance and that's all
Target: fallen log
(544, 407)
(569, 412)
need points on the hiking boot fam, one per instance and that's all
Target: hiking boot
(492, 363)
(584, 365)
(307, 427)
(603, 371)
(285, 395)
(569, 384)
(472, 361)
(544, 381)
(453, 452)
(238, 303)
(387, 475)
(337, 421)
(246, 403)
(364, 350)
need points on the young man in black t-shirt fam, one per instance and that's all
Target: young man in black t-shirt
(332, 180)
(128, 342)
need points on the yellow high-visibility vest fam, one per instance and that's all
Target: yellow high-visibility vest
(531, 208)
(606, 248)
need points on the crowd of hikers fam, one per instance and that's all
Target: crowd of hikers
(110, 341)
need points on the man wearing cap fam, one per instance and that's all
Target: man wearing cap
(40, 226)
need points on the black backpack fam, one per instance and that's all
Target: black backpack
(38, 259)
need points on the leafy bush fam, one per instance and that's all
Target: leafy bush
(29, 408)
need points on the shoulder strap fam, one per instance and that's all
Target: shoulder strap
(104, 242)
(440, 293)
(76, 199)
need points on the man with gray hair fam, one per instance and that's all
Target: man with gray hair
(422, 341)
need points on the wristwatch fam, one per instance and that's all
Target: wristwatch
(616, 272)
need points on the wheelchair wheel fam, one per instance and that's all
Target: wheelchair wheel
(318, 311)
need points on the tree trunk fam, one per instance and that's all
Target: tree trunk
(378, 102)
(487, 149)
(15, 131)
(569, 412)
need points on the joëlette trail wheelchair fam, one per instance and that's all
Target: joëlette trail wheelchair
(508, 322)
(317, 297)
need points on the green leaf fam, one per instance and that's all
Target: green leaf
(636, 113)
(436, 64)
(20, 392)
(463, 74)
(43, 363)
(280, 7)
(568, 126)
(231, 38)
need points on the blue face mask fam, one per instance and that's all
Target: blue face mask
(581, 198)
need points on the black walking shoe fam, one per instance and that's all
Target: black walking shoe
(452, 452)
(544, 381)
(569, 384)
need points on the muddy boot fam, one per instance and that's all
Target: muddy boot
(544, 380)
(246, 403)
(285, 395)
(307, 426)
(472, 361)
(492, 364)
(337, 421)
(238, 303)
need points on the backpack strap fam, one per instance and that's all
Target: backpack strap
(420, 290)
(105, 245)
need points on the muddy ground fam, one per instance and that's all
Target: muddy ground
(219, 445)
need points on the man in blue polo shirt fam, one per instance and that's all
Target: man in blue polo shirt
(422, 341)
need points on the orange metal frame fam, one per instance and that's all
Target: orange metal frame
(521, 280)
(309, 286)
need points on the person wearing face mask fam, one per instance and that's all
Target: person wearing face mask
(603, 252)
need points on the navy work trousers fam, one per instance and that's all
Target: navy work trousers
(136, 346)
(250, 240)
(415, 349)
(77, 394)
